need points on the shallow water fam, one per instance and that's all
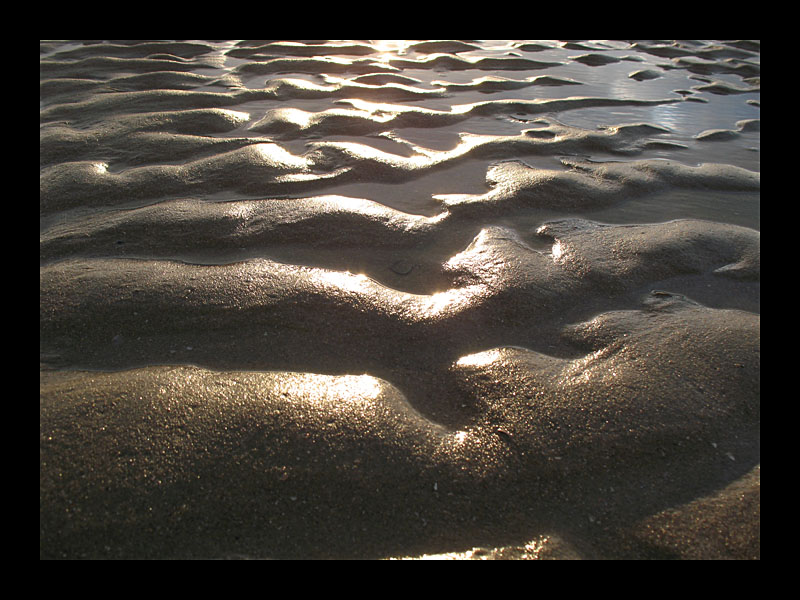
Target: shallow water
(417, 273)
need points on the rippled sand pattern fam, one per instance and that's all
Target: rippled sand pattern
(400, 299)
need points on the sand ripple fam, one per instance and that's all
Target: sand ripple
(369, 299)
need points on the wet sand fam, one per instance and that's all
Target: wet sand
(367, 300)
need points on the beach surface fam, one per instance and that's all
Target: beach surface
(400, 299)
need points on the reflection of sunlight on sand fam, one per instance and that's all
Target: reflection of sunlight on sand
(355, 387)
(529, 551)
(379, 112)
(480, 359)
(460, 444)
(345, 280)
(449, 300)
(418, 306)
(460, 437)
(341, 393)
(389, 49)
(337, 60)
(368, 153)
(276, 154)
(557, 250)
